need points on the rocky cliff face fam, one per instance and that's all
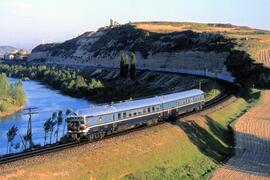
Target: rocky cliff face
(186, 50)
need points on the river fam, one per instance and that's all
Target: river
(47, 101)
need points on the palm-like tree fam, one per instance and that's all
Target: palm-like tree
(46, 128)
(59, 122)
(27, 138)
(52, 124)
(68, 112)
(49, 127)
(12, 132)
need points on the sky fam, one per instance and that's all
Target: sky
(27, 23)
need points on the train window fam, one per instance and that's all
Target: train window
(153, 109)
(148, 109)
(100, 118)
(134, 114)
(119, 115)
(139, 113)
(129, 115)
(157, 108)
(124, 115)
(144, 110)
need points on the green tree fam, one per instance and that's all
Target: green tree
(122, 62)
(68, 112)
(95, 84)
(52, 123)
(46, 128)
(12, 132)
(133, 66)
(80, 82)
(126, 65)
(59, 122)
(4, 85)
(18, 93)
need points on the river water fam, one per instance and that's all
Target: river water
(47, 101)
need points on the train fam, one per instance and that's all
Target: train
(99, 121)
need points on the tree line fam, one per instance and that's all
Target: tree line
(51, 128)
(69, 81)
(79, 83)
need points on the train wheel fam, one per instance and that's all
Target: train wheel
(109, 132)
(96, 136)
(90, 137)
(101, 135)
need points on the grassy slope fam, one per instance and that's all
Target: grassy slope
(190, 149)
(212, 139)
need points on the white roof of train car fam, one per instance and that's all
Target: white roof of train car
(135, 104)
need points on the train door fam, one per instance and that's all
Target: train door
(173, 112)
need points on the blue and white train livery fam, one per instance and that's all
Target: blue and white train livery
(99, 121)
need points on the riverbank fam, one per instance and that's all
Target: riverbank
(12, 96)
(191, 148)
(105, 85)
(47, 101)
(11, 111)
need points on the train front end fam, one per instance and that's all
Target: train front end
(76, 127)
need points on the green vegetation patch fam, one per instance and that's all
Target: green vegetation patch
(229, 114)
(80, 83)
(213, 141)
(12, 96)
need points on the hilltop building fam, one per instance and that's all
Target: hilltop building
(113, 23)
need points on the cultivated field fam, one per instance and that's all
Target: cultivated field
(198, 27)
(254, 41)
(252, 135)
(190, 148)
(263, 56)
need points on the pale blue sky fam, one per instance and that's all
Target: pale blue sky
(27, 23)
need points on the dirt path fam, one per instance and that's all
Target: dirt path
(252, 153)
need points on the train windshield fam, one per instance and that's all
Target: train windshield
(76, 119)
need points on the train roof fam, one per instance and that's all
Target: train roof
(135, 104)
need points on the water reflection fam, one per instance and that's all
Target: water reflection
(47, 101)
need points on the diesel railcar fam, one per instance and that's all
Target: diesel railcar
(99, 121)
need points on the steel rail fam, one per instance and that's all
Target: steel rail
(58, 147)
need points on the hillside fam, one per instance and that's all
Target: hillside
(213, 50)
(190, 148)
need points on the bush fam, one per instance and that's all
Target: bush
(10, 94)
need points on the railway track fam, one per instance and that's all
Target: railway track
(58, 147)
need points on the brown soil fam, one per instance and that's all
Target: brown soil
(252, 136)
